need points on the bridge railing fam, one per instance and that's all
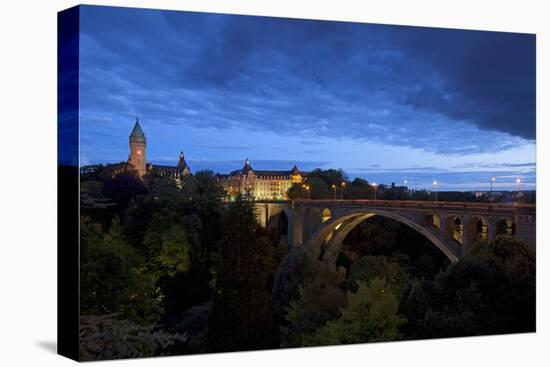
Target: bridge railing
(434, 205)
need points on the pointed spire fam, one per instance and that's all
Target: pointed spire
(137, 132)
(181, 162)
(247, 167)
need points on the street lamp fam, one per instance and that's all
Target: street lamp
(307, 189)
(374, 186)
(334, 188)
(405, 182)
(342, 190)
(435, 189)
(493, 179)
(518, 183)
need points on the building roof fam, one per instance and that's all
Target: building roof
(264, 173)
(272, 173)
(137, 132)
(163, 167)
(180, 167)
(182, 164)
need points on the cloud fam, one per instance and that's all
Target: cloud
(449, 92)
(376, 168)
(486, 78)
(528, 165)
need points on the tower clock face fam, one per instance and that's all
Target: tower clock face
(138, 152)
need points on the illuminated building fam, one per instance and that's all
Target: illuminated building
(260, 185)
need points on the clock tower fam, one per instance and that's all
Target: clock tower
(138, 144)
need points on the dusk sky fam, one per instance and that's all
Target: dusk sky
(385, 103)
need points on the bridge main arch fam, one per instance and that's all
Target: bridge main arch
(326, 241)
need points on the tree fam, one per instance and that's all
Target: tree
(107, 337)
(136, 220)
(206, 194)
(176, 229)
(371, 315)
(241, 311)
(370, 267)
(319, 301)
(376, 236)
(414, 304)
(320, 184)
(491, 290)
(112, 279)
(359, 189)
(163, 188)
(329, 176)
(123, 187)
(318, 188)
(297, 191)
(174, 254)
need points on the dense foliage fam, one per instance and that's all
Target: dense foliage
(407, 290)
(168, 268)
(240, 316)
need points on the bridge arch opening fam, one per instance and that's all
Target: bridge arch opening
(283, 225)
(326, 214)
(505, 227)
(455, 229)
(477, 230)
(327, 241)
(278, 225)
(432, 220)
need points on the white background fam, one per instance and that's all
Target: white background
(28, 182)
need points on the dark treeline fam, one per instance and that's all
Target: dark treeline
(171, 258)
(335, 184)
(168, 268)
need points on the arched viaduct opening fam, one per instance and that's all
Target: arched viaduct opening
(505, 227)
(326, 215)
(279, 225)
(283, 225)
(477, 230)
(327, 240)
(432, 220)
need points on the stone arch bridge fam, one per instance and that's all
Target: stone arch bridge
(322, 225)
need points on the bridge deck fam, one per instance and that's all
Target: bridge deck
(424, 205)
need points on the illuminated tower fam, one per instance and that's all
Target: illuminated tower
(138, 143)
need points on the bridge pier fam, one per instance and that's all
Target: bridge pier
(268, 215)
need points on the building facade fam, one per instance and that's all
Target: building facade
(260, 185)
(138, 161)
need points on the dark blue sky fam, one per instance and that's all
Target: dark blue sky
(386, 103)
